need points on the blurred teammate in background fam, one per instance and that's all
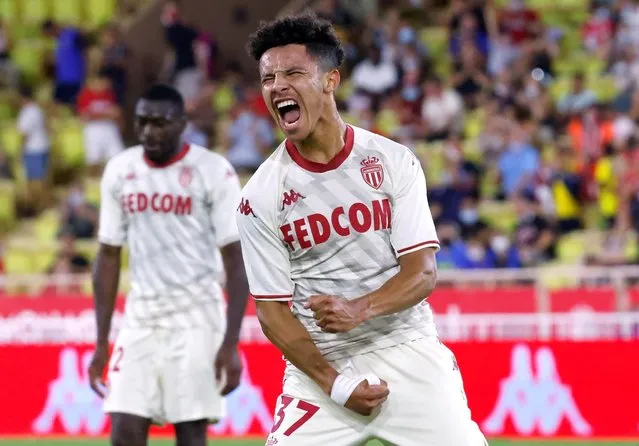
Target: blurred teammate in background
(336, 222)
(174, 206)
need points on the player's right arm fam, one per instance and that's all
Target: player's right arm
(268, 270)
(106, 272)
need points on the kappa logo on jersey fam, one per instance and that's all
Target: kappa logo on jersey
(159, 203)
(130, 176)
(534, 402)
(186, 175)
(245, 208)
(316, 229)
(372, 172)
(71, 400)
(290, 198)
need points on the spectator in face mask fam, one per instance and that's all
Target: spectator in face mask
(476, 254)
(503, 252)
(469, 219)
(452, 253)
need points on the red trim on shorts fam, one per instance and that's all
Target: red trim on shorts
(271, 296)
(177, 157)
(312, 166)
(435, 243)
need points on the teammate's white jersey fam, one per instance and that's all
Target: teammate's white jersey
(338, 229)
(173, 219)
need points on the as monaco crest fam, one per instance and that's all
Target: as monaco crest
(186, 175)
(372, 172)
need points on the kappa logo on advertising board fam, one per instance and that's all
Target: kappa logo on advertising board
(243, 406)
(70, 399)
(535, 402)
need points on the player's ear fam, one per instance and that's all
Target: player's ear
(331, 81)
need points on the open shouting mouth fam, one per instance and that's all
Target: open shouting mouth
(290, 113)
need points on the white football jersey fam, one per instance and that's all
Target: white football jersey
(174, 218)
(338, 229)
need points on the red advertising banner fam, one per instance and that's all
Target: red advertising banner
(465, 300)
(580, 389)
(514, 389)
(53, 394)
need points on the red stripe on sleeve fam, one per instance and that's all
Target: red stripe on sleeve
(271, 296)
(434, 243)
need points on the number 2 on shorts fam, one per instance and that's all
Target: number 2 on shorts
(117, 358)
(308, 408)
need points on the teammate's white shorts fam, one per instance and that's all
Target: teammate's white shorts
(166, 375)
(426, 406)
(102, 140)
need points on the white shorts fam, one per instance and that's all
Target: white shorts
(166, 375)
(102, 140)
(426, 406)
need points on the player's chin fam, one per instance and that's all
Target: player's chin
(295, 131)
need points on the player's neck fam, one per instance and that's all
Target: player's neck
(326, 140)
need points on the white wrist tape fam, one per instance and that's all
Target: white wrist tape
(344, 386)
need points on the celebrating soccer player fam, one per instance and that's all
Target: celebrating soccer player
(339, 246)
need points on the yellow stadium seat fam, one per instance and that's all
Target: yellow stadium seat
(223, 99)
(631, 249)
(435, 39)
(571, 248)
(88, 248)
(345, 90)
(68, 12)
(44, 257)
(560, 87)
(432, 157)
(100, 12)
(570, 42)
(36, 11)
(47, 225)
(7, 204)
(605, 88)
(472, 151)
(9, 11)
(540, 5)
(473, 124)
(551, 277)
(19, 261)
(44, 92)
(70, 144)
(499, 214)
(7, 110)
(92, 190)
(28, 56)
(10, 140)
(387, 121)
(489, 184)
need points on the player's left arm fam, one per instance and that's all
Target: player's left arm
(415, 242)
(237, 290)
(225, 195)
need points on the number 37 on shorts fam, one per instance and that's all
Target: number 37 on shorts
(291, 414)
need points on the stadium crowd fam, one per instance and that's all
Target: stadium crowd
(523, 113)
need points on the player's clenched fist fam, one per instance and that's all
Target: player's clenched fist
(366, 397)
(335, 314)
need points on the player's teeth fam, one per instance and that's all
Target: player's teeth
(286, 104)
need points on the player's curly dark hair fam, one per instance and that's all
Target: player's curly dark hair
(306, 29)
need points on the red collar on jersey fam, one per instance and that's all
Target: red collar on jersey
(177, 157)
(337, 160)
